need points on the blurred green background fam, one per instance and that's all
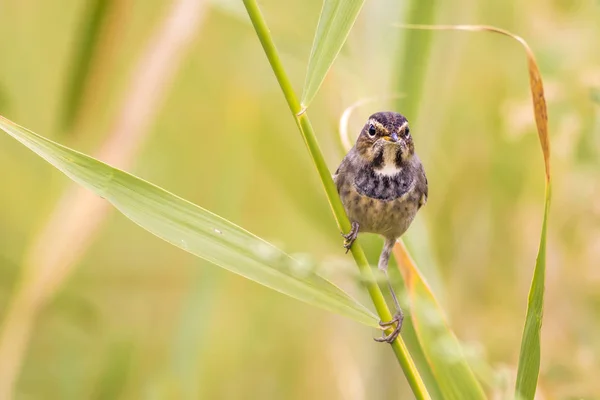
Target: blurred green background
(138, 318)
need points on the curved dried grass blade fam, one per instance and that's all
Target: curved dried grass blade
(336, 20)
(529, 358)
(439, 344)
(195, 229)
(344, 135)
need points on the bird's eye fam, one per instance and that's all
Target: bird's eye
(407, 132)
(372, 130)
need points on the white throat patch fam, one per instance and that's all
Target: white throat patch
(389, 169)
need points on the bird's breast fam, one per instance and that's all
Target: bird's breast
(383, 187)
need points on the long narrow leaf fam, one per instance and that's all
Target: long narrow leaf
(529, 357)
(414, 58)
(194, 229)
(335, 22)
(442, 350)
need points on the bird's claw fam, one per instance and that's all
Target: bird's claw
(348, 243)
(347, 246)
(397, 321)
(350, 237)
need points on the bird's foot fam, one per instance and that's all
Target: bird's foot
(351, 236)
(396, 323)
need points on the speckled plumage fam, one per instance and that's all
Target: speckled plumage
(381, 204)
(382, 185)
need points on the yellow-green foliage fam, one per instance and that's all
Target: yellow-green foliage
(138, 317)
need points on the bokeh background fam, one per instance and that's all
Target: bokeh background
(122, 314)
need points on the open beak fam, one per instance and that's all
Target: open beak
(392, 138)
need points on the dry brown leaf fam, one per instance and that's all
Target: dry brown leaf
(535, 80)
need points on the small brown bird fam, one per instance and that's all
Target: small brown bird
(382, 184)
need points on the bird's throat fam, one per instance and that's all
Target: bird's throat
(388, 169)
(388, 161)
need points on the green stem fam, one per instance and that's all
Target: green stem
(301, 118)
(416, 52)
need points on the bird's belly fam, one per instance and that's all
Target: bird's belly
(390, 218)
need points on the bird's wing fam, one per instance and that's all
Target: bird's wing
(423, 186)
(341, 174)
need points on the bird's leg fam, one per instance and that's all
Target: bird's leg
(399, 315)
(351, 236)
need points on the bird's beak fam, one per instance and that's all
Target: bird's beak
(392, 138)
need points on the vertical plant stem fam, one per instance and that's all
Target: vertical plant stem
(88, 43)
(413, 64)
(301, 118)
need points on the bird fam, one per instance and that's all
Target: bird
(382, 184)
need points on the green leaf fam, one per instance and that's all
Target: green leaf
(440, 346)
(529, 357)
(414, 58)
(194, 229)
(336, 20)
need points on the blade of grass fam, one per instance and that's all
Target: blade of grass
(408, 366)
(79, 215)
(336, 20)
(413, 58)
(439, 344)
(194, 229)
(529, 356)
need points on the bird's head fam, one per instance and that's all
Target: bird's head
(386, 134)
